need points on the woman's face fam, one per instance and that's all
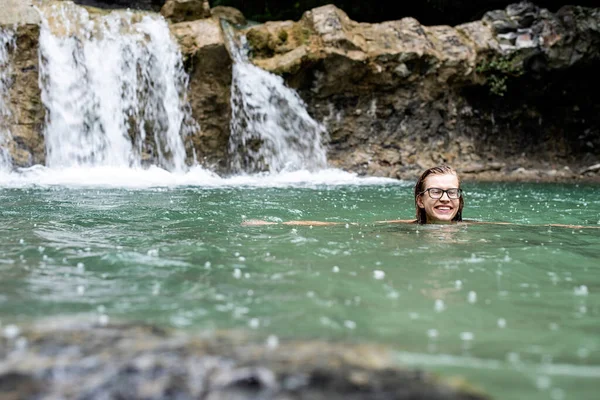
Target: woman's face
(440, 210)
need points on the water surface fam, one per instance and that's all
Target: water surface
(513, 308)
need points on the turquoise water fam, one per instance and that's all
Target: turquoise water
(513, 308)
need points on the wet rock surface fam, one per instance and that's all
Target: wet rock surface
(26, 112)
(143, 362)
(490, 97)
(185, 10)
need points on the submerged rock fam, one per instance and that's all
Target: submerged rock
(143, 362)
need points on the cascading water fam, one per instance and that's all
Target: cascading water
(6, 45)
(110, 83)
(270, 127)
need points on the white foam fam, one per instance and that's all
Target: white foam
(138, 178)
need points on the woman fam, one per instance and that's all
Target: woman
(438, 199)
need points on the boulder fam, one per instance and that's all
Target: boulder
(185, 10)
(25, 115)
(209, 66)
(229, 14)
(134, 361)
(18, 12)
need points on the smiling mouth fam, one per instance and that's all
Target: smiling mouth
(444, 209)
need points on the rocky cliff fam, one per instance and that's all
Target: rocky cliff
(510, 93)
(509, 97)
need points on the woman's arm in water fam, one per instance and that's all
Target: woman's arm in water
(397, 221)
(259, 222)
(549, 225)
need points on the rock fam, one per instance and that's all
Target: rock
(185, 10)
(209, 66)
(18, 12)
(417, 81)
(591, 168)
(229, 14)
(144, 362)
(26, 113)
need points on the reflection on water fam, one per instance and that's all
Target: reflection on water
(514, 308)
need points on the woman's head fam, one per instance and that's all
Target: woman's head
(438, 197)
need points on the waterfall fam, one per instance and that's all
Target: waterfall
(270, 126)
(114, 90)
(6, 45)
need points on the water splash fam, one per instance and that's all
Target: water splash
(114, 89)
(7, 43)
(271, 129)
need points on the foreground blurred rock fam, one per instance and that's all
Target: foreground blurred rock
(140, 362)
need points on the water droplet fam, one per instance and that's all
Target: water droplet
(432, 333)
(152, 253)
(237, 273)
(513, 357)
(21, 241)
(467, 336)
(350, 324)
(156, 289)
(80, 267)
(254, 323)
(336, 269)
(581, 290)
(413, 315)
(11, 331)
(80, 290)
(472, 297)
(583, 352)
(241, 258)
(207, 265)
(542, 382)
(458, 284)
(272, 342)
(103, 319)
(501, 323)
(378, 274)
(439, 305)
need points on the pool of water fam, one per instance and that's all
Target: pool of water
(515, 309)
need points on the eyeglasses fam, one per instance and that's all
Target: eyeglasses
(437, 193)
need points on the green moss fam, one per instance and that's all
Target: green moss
(282, 35)
(497, 71)
(260, 43)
